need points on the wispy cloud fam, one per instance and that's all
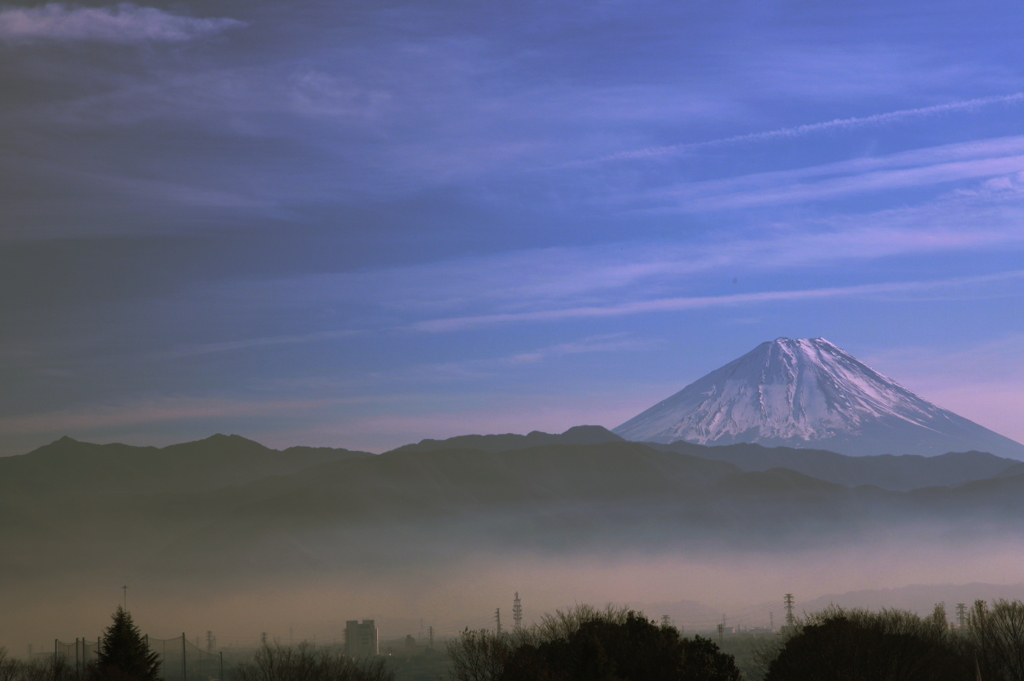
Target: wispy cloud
(703, 302)
(920, 167)
(467, 369)
(602, 274)
(882, 180)
(806, 129)
(121, 23)
(194, 349)
(486, 367)
(93, 417)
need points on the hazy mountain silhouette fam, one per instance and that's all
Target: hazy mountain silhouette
(904, 472)
(807, 392)
(577, 435)
(67, 465)
(920, 598)
(228, 504)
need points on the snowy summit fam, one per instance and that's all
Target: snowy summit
(806, 392)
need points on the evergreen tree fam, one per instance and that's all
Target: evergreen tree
(124, 655)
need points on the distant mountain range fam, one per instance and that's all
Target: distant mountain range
(901, 473)
(808, 393)
(226, 503)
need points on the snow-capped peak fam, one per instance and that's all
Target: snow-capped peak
(807, 392)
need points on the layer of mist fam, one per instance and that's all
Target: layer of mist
(227, 536)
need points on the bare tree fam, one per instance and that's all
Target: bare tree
(301, 663)
(9, 667)
(997, 636)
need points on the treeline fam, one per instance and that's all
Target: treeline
(895, 645)
(270, 663)
(616, 644)
(585, 644)
(124, 655)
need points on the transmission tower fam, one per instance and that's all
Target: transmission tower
(790, 620)
(961, 614)
(771, 621)
(430, 633)
(497, 620)
(517, 613)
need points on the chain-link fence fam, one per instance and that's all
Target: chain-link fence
(76, 655)
(180, 659)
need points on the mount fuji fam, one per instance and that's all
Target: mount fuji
(808, 393)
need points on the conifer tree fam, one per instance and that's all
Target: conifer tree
(124, 654)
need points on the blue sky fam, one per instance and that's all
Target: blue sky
(362, 224)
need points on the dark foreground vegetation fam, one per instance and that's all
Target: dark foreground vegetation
(894, 645)
(302, 663)
(585, 644)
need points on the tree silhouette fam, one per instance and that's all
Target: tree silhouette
(589, 645)
(857, 645)
(124, 655)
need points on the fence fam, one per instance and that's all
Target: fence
(180, 659)
(80, 653)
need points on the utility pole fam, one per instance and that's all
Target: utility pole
(771, 621)
(961, 614)
(517, 613)
(497, 620)
(790, 620)
(721, 633)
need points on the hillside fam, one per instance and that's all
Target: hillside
(230, 504)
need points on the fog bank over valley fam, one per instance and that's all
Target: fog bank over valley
(226, 535)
